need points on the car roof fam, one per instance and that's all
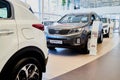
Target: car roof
(18, 2)
(81, 13)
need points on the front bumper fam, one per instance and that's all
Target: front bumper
(74, 41)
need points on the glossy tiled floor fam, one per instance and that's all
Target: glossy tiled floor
(62, 61)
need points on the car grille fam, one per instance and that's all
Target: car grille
(61, 32)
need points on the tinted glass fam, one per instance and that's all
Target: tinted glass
(104, 20)
(5, 11)
(74, 19)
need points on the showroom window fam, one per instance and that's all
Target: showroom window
(98, 3)
(5, 10)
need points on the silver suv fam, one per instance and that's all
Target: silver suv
(73, 31)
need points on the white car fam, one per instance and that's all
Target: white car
(106, 26)
(23, 49)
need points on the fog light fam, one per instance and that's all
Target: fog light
(78, 40)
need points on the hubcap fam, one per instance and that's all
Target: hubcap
(28, 72)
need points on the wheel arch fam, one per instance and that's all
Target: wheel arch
(30, 51)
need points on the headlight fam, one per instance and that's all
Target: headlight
(75, 30)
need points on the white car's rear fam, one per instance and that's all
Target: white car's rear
(106, 26)
(23, 43)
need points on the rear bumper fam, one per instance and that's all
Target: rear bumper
(105, 30)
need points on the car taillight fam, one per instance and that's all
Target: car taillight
(39, 26)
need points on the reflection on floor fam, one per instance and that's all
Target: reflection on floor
(105, 68)
(62, 60)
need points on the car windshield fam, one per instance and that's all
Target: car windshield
(104, 20)
(74, 19)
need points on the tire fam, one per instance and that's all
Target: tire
(108, 34)
(25, 69)
(100, 39)
(86, 48)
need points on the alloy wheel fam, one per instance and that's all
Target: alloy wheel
(28, 72)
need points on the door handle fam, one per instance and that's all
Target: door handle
(6, 32)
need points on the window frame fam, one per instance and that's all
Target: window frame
(11, 10)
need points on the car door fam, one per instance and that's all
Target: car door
(8, 31)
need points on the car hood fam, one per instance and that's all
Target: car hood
(67, 25)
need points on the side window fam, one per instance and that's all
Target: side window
(31, 10)
(92, 17)
(97, 18)
(5, 10)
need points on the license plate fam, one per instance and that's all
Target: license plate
(56, 42)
